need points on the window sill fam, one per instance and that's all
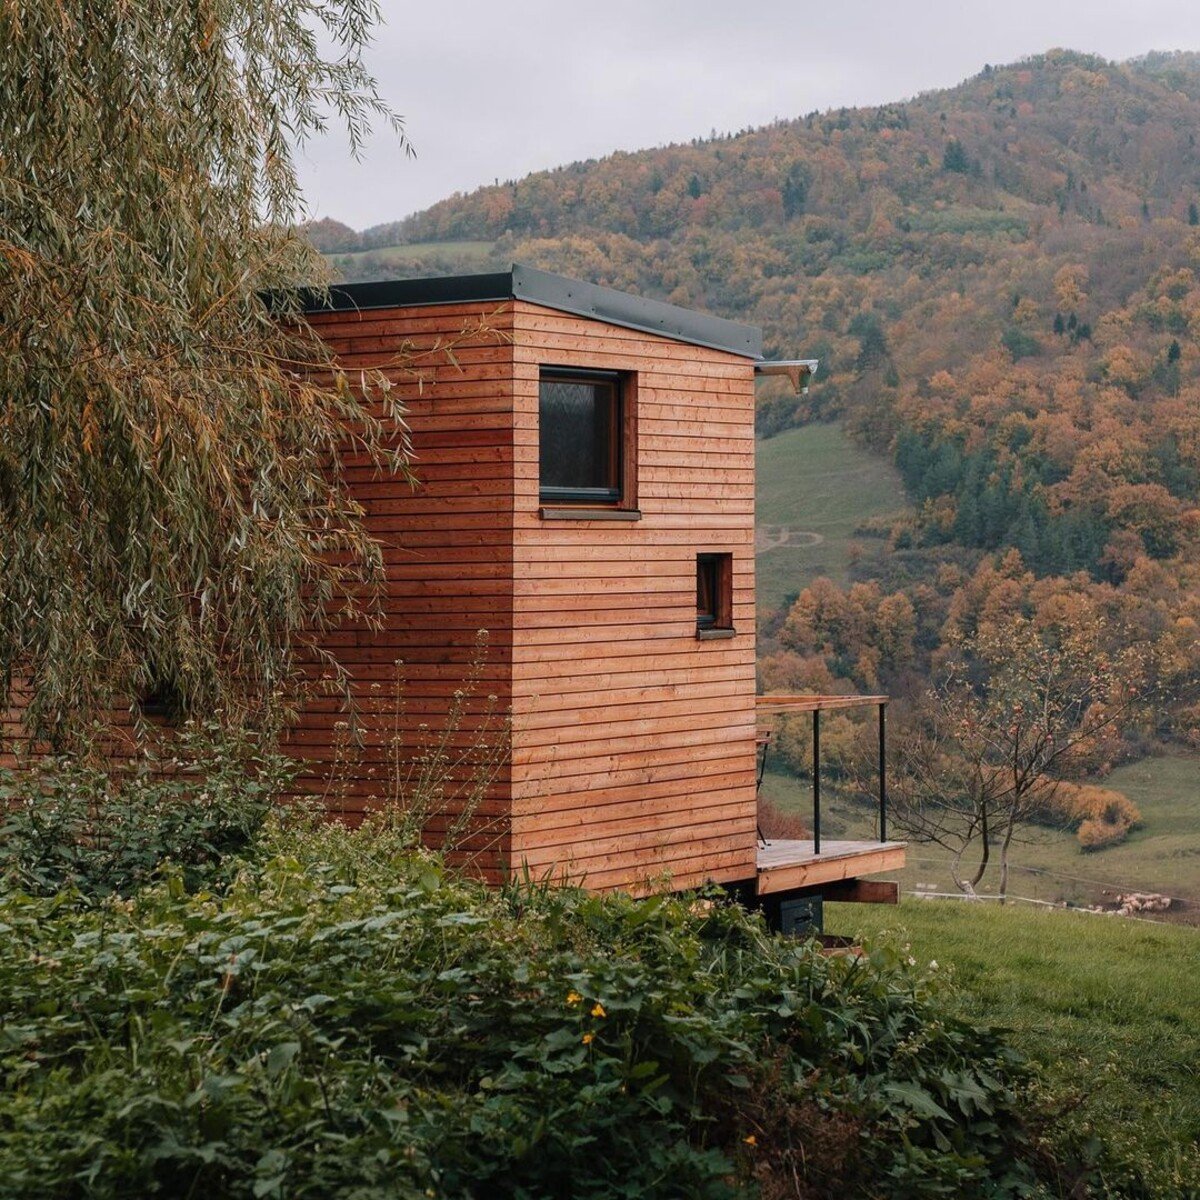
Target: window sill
(590, 514)
(714, 635)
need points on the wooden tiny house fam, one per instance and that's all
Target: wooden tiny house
(587, 497)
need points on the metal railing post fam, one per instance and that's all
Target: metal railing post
(816, 781)
(883, 772)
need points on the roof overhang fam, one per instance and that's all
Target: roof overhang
(553, 291)
(798, 370)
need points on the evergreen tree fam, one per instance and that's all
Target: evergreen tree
(1059, 325)
(1193, 214)
(873, 347)
(795, 189)
(966, 518)
(954, 158)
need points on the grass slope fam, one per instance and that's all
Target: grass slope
(1107, 1007)
(815, 486)
(415, 259)
(412, 252)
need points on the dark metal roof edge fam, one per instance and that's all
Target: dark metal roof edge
(635, 312)
(554, 291)
(409, 293)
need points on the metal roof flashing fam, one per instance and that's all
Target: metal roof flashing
(553, 291)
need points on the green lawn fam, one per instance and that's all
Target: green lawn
(1108, 1008)
(814, 487)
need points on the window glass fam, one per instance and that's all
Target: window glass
(706, 590)
(579, 437)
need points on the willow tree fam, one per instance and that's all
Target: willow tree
(167, 509)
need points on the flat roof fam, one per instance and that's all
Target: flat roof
(554, 291)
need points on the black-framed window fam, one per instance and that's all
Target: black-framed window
(580, 436)
(714, 591)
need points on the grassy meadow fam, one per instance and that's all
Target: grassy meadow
(415, 258)
(815, 487)
(1106, 1007)
(1162, 854)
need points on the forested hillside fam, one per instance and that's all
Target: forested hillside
(1002, 281)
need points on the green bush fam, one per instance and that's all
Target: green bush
(195, 800)
(350, 1019)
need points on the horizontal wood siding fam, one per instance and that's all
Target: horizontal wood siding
(633, 743)
(448, 553)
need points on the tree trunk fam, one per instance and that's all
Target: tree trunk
(985, 852)
(956, 873)
(1008, 837)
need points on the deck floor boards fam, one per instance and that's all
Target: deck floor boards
(787, 864)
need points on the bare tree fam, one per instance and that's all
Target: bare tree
(1015, 712)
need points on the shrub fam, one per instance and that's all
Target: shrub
(195, 800)
(348, 1020)
(1101, 816)
(776, 822)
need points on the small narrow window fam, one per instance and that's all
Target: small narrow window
(162, 701)
(714, 592)
(581, 436)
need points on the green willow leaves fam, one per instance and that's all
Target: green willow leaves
(171, 511)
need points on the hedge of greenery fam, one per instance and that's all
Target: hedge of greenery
(349, 1019)
(69, 825)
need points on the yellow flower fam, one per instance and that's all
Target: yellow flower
(750, 1140)
(573, 997)
(598, 1010)
(588, 1038)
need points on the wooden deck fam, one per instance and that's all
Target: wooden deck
(784, 865)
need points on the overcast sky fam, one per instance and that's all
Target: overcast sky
(500, 88)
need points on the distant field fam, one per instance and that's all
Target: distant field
(814, 487)
(1161, 855)
(1106, 1007)
(413, 258)
(416, 251)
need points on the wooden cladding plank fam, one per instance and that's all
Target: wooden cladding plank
(539, 780)
(593, 726)
(658, 825)
(641, 861)
(609, 802)
(639, 840)
(672, 874)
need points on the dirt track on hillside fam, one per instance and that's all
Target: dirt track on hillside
(771, 537)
